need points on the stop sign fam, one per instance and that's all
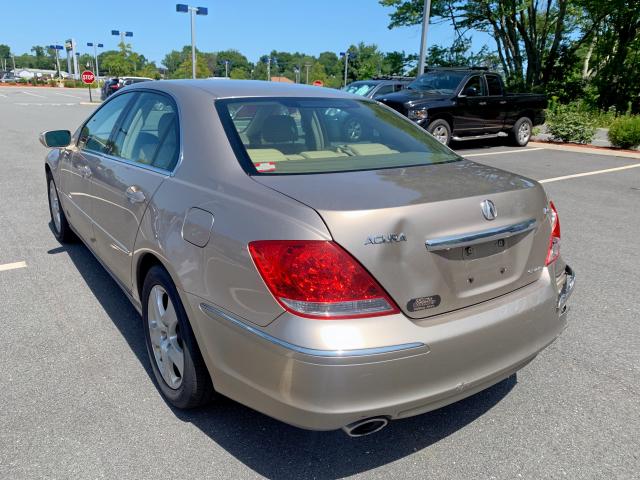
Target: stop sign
(87, 77)
(318, 83)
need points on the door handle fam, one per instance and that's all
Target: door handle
(85, 171)
(134, 194)
(482, 103)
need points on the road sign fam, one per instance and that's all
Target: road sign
(88, 77)
(318, 83)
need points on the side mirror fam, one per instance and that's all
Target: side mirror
(55, 138)
(471, 92)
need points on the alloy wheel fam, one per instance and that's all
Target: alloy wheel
(55, 206)
(524, 132)
(440, 133)
(164, 332)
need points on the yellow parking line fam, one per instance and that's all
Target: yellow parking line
(12, 266)
(586, 174)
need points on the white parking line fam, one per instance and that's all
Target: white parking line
(66, 95)
(33, 94)
(586, 174)
(12, 266)
(519, 150)
(3, 95)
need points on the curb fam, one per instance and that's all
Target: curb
(589, 149)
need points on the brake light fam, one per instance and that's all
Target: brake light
(114, 86)
(319, 279)
(554, 241)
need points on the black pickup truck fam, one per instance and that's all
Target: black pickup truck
(468, 104)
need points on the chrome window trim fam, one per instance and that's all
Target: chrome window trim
(216, 313)
(466, 239)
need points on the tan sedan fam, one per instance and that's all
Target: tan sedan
(308, 253)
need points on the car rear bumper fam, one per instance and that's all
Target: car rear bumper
(323, 375)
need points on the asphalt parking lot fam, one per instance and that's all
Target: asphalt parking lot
(77, 399)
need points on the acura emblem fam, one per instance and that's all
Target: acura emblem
(489, 210)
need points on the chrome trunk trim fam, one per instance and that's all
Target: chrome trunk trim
(491, 234)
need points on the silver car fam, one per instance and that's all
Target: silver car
(326, 282)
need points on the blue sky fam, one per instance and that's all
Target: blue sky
(254, 27)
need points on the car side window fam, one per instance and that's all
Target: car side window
(398, 86)
(384, 90)
(494, 84)
(149, 134)
(474, 82)
(96, 133)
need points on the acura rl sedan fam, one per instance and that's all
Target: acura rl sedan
(326, 282)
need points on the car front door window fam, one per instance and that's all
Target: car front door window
(96, 133)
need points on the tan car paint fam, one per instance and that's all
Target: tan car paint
(241, 329)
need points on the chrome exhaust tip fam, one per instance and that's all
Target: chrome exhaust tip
(365, 427)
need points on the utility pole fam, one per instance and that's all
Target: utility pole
(296, 70)
(307, 66)
(426, 13)
(269, 69)
(193, 11)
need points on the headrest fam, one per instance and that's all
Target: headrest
(279, 129)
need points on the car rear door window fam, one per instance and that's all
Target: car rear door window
(96, 133)
(494, 84)
(385, 89)
(149, 134)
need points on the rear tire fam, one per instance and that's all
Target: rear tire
(441, 130)
(59, 223)
(178, 367)
(521, 132)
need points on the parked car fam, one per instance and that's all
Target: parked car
(8, 77)
(325, 282)
(112, 85)
(468, 104)
(378, 86)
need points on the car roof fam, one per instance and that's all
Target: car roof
(242, 88)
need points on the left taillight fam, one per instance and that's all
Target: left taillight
(319, 279)
(554, 241)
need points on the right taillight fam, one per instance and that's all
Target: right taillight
(554, 242)
(319, 279)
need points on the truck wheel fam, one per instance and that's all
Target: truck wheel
(441, 131)
(521, 132)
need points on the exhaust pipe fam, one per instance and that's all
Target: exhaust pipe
(366, 426)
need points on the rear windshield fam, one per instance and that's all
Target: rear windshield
(322, 135)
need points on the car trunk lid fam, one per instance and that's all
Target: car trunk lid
(422, 233)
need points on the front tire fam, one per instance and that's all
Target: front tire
(441, 130)
(521, 133)
(178, 367)
(61, 228)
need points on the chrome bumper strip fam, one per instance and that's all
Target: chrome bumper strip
(217, 313)
(567, 288)
(492, 234)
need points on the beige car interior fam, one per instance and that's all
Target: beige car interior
(273, 136)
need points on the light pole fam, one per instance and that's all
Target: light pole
(268, 61)
(423, 42)
(57, 48)
(182, 8)
(307, 66)
(95, 56)
(122, 34)
(296, 70)
(347, 55)
(226, 68)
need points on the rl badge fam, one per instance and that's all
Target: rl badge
(423, 303)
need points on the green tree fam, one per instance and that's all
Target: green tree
(185, 68)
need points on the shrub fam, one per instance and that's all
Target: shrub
(570, 123)
(625, 132)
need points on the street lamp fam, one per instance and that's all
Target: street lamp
(226, 67)
(347, 55)
(307, 66)
(296, 70)
(57, 48)
(95, 56)
(426, 12)
(182, 8)
(122, 34)
(269, 61)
